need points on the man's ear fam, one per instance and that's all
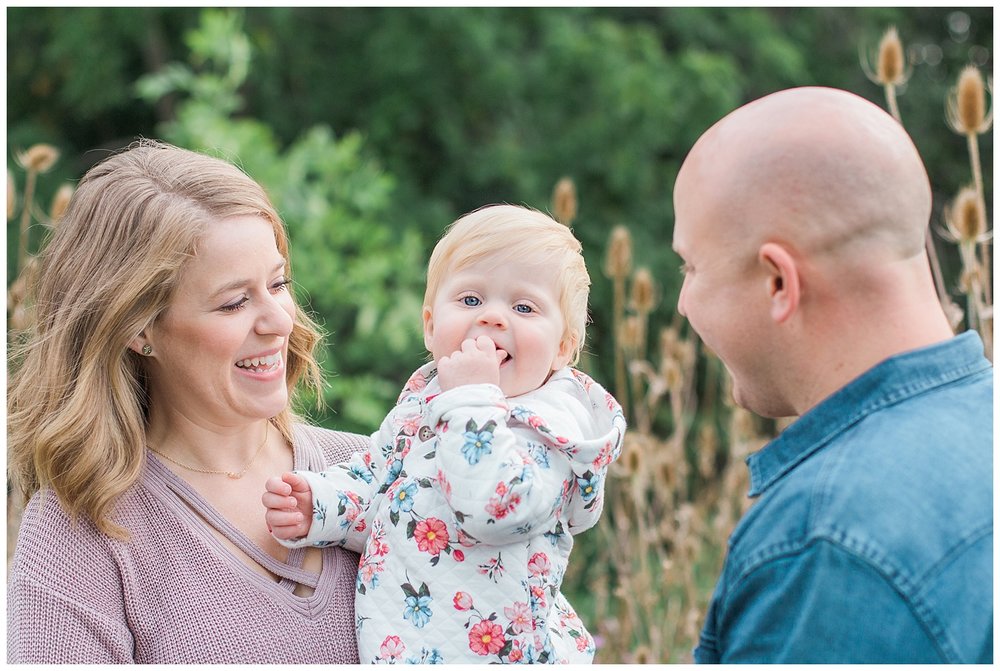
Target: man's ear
(428, 327)
(783, 286)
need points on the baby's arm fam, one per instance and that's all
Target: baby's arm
(502, 484)
(288, 501)
(327, 508)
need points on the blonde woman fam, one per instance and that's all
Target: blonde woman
(145, 413)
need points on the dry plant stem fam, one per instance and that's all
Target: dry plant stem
(890, 99)
(984, 245)
(619, 319)
(22, 243)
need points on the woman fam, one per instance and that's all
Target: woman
(145, 414)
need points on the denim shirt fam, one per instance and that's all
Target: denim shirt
(872, 537)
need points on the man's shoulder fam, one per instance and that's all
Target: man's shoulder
(903, 487)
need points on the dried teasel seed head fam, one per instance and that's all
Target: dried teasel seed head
(564, 201)
(642, 655)
(965, 218)
(891, 63)
(970, 100)
(619, 260)
(60, 203)
(11, 196)
(39, 158)
(668, 343)
(643, 291)
(631, 334)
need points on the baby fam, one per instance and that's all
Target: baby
(465, 504)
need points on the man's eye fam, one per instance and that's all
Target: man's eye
(471, 301)
(523, 309)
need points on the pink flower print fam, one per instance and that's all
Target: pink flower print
(520, 617)
(515, 654)
(604, 456)
(486, 638)
(462, 601)
(360, 526)
(392, 648)
(465, 540)
(444, 484)
(458, 555)
(431, 535)
(539, 564)
(582, 643)
(416, 382)
(502, 503)
(537, 597)
(410, 425)
(368, 571)
(492, 569)
(535, 421)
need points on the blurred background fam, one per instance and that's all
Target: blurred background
(374, 128)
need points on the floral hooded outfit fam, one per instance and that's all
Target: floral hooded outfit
(463, 508)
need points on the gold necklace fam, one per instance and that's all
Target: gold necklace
(231, 474)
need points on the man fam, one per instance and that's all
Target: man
(801, 219)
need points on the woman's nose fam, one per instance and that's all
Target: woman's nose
(276, 317)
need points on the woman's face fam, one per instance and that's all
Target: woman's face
(219, 350)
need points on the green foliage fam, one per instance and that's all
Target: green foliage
(357, 271)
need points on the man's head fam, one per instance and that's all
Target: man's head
(788, 210)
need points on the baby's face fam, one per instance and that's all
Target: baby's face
(516, 305)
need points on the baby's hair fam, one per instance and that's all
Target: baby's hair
(515, 232)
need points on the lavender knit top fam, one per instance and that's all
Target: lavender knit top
(174, 594)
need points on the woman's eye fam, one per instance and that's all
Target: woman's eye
(523, 309)
(233, 307)
(470, 301)
(281, 285)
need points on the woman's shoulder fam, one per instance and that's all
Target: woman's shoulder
(52, 547)
(331, 447)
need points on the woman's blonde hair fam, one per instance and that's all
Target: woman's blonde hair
(78, 397)
(515, 232)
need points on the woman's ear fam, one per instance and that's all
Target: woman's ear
(784, 288)
(140, 344)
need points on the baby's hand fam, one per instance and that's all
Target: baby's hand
(288, 500)
(478, 362)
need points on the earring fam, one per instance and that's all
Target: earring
(147, 350)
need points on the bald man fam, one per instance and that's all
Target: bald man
(801, 220)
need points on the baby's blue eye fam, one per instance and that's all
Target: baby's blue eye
(471, 301)
(523, 309)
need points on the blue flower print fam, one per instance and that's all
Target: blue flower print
(417, 610)
(589, 484)
(432, 656)
(395, 468)
(403, 497)
(319, 513)
(359, 473)
(478, 441)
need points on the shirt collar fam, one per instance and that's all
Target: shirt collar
(895, 379)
